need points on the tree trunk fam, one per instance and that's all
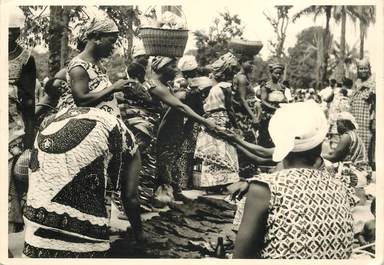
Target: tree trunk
(129, 43)
(55, 34)
(342, 37)
(325, 44)
(362, 36)
(65, 38)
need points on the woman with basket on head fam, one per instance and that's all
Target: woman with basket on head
(245, 103)
(166, 39)
(220, 165)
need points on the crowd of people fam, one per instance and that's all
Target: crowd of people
(300, 157)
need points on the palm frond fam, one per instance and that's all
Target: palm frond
(305, 12)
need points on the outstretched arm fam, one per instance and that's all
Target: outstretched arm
(254, 148)
(257, 159)
(163, 93)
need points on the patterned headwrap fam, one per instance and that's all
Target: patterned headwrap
(297, 127)
(159, 62)
(16, 18)
(274, 66)
(223, 63)
(98, 25)
(348, 117)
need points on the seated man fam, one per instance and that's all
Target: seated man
(80, 156)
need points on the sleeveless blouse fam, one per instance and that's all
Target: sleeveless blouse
(98, 80)
(216, 98)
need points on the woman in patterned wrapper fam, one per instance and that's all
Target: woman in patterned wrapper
(21, 98)
(80, 157)
(163, 70)
(220, 166)
(301, 211)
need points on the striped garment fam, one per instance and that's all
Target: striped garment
(361, 108)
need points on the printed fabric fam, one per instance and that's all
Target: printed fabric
(75, 165)
(220, 164)
(98, 80)
(309, 215)
(361, 108)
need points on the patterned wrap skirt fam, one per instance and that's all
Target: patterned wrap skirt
(220, 164)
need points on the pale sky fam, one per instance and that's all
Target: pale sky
(200, 16)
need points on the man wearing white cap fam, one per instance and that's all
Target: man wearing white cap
(301, 211)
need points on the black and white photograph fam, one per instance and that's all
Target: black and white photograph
(223, 130)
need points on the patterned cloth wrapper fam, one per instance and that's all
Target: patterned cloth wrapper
(220, 164)
(75, 165)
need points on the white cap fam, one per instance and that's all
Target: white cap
(297, 127)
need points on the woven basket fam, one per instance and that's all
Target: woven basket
(245, 46)
(164, 42)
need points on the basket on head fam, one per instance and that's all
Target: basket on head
(245, 46)
(164, 42)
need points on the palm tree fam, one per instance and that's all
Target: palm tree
(366, 16)
(316, 11)
(340, 13)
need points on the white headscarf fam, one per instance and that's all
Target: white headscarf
(297, 127)
(187, 63)
(16, 18)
